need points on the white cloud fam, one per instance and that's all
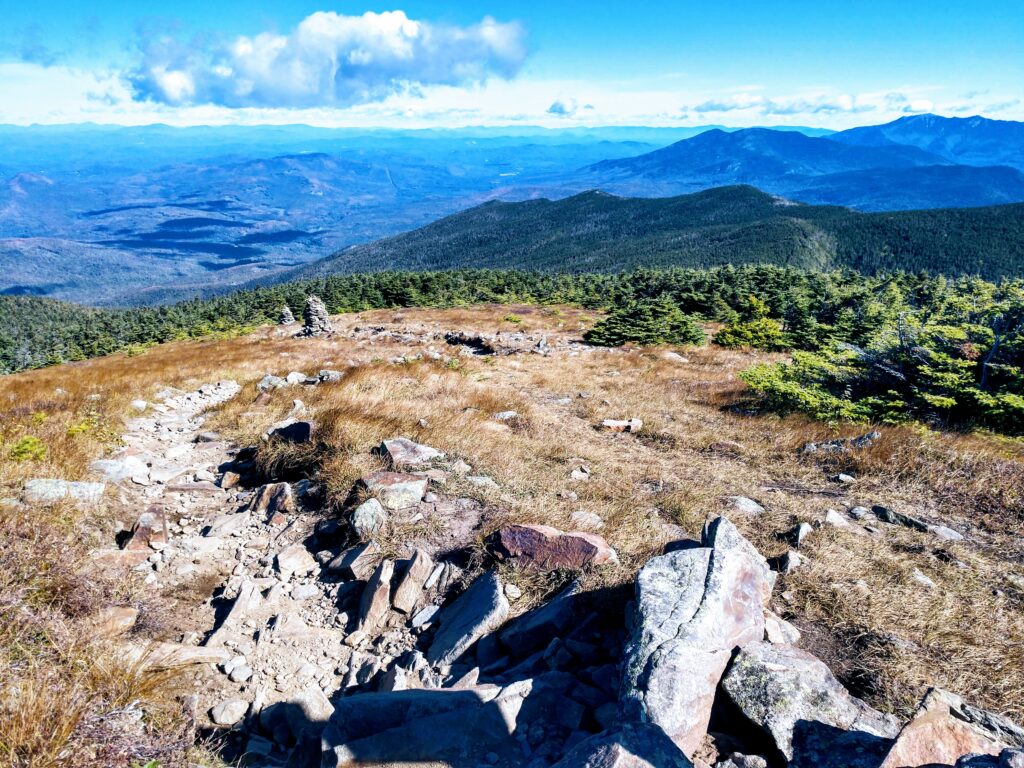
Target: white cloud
(34, 93)
(817, 107)
(329, 59)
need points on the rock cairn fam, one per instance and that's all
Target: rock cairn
(287, 318)
(315, 320)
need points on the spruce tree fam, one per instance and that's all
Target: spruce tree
(647, 322)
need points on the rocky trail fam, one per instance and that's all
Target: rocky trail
(306, 639)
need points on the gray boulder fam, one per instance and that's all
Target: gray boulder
(810, 717)
(694, 607)
(269, 382)
(368, 518)
(230, 712)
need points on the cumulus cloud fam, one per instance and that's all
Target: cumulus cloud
(329, 59)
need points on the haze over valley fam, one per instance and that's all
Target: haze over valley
(143, 215)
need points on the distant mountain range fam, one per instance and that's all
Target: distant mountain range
(965, 140)
(940, 162)
(145, 215)
(595, 231)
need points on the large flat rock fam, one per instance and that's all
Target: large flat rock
(545, 548)
(48, 491)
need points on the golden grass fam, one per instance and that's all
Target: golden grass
(889, 637)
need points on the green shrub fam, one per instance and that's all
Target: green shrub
(653, 321)
(763, 333)
(753, 328)
(28, 448)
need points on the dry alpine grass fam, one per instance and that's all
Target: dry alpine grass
(858, 599)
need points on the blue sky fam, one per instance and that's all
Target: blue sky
(551, 63)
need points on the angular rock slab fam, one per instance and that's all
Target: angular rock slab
(811, 718)
(248, 599)
(630, 746)
(403, 452)
(356, 562)
(547, 548)
(409, 589)
(474, 613)
(534, 630)
(693, 608)
(295, 561)
(395, 490)
(944, 728)
(376, 599)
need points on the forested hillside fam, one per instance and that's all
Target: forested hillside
(729, 225)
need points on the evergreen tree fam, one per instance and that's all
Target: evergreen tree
(647, 322)
(755, 329)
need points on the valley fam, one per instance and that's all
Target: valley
(128, 216)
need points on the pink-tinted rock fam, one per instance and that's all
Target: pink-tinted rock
(693, 608)
(944, 729)
(547, 548)
(150, 528)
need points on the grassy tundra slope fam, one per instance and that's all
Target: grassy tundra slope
(858, 599)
